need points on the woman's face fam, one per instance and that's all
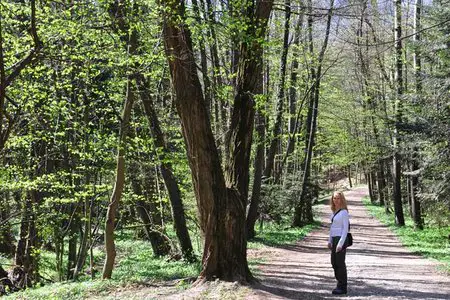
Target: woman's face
(337, 200)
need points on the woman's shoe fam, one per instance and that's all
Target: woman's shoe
(339, 291)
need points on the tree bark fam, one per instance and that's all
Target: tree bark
(166, 170)
(397, 172)
(304, 201)
(276, 135)
(221, 208)
(203, 62)
(159, 244)
(417, 215)
(252, 214)
(110, 246)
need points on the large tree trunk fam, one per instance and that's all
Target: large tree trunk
(221, 209)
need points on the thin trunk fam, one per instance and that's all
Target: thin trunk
(20, 250)
(276, 135)
(82, 253)
(110, 246)
(397, 195)
(373, 177)
(304, 200)
(381, 183)
(166, 170)
(160, 245)
(203, 62)
(72, 252)
(417, 215)
(252, 214)
(133, 41)
(349, 176)
(294, 120)
(369, 184)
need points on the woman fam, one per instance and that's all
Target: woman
(336, 242)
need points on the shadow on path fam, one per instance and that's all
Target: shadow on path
(379, 267)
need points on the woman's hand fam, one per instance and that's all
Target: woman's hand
(330, 246)
(338, 248)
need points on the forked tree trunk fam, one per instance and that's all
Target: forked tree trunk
(221, 208)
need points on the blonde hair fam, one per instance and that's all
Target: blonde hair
(343, 201)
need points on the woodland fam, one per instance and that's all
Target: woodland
(191, 125)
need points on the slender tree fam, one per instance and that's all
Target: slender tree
(415, 202)
(397, 171)
(274, 143)
(303, 208)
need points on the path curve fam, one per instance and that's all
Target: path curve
(379, 267)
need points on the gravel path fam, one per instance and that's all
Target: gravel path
(378, 266)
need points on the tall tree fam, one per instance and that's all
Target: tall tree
(303, 208)
(119, 183)
(6, 119)
(275, 140)
(397, 167)
(415, 202)
(221, 203)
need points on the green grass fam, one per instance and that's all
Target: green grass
(135, 265)
(431, 242)
(277, 235)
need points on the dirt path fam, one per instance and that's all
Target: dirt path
(379, 267)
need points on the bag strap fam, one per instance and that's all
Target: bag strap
(335, 216)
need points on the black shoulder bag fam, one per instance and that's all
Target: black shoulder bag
(349, 239)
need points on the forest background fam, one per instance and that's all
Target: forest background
(181, 124)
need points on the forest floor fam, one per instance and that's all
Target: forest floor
(379, 267)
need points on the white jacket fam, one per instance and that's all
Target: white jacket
(339, 227)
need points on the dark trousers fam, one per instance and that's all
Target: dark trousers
(338, 263)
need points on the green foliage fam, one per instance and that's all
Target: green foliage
(432, 241)
(274, 234)
(135, 266)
